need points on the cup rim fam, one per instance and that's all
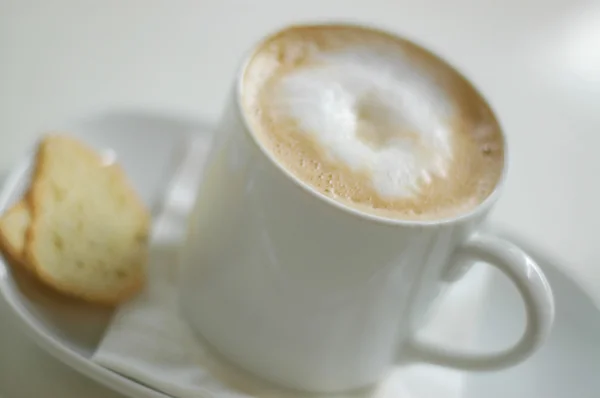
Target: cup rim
(482, 207)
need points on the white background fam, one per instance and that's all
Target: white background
(538, 63)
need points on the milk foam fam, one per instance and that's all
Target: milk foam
(372, 121)
(368, 110)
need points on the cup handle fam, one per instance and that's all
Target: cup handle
(531, 285)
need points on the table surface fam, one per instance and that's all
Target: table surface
(537, 61)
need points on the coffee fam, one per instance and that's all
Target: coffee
(364, 118)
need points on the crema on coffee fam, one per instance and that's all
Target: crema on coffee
(370, 121)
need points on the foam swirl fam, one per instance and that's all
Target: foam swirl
(370, 113)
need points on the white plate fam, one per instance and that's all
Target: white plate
(146, 146)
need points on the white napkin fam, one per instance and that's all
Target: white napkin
(148, 341)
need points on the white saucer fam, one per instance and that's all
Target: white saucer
(147, 145)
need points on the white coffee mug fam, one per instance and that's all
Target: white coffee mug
(305, 292)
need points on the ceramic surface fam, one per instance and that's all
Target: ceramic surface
(285, 266)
